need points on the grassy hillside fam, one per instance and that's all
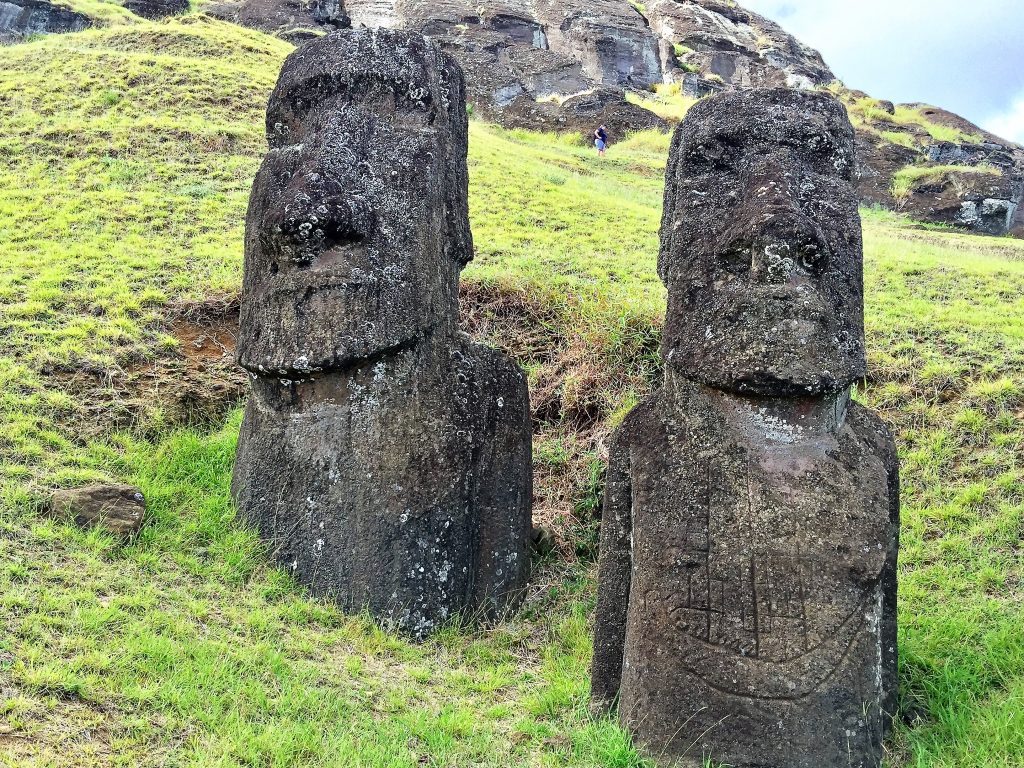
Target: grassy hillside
(126, 159)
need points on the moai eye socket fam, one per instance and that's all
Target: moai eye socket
(738, 259)
(811, 258)
(713, 153)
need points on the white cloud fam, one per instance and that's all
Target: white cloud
(965, 57)
(1009, 124)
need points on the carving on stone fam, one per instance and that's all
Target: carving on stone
(383, 457)
(747, 586)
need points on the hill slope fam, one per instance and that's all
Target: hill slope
(570, 65)
(127, 155)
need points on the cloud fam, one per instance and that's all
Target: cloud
(966, 57)
(1009, 124)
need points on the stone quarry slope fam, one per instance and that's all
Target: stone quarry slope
(128, 156)
(568, 65)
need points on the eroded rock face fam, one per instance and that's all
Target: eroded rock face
(21, 18)
(978, 183)
(987, 196)
(295, 20)
(510, 52)
(523, 60)
(747, 585)
(982, 202)
(384, 458)
(729, 42)
(157, 9)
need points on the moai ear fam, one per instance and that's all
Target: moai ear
(669, 209)
(458, 242)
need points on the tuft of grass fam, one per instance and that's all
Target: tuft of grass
(901, 138)
(939, 132)
(866, 113)
(666, 101)
(910, 177)
(104, 13)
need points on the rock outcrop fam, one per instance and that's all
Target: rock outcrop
(157, 9)
(294, 20)
(542, 53)
(22, 18)
(383, 457)
(525, 62)
(738, 48)
(747, 579)
(975, 182)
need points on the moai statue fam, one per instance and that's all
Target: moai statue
(747, 601)
(383, 457)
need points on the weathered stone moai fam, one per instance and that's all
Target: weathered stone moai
(747, 598)
(383, 457)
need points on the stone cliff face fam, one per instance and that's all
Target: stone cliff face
(525, 61)
(568, 64)
(729, 45)
(21, 18)
(972, 180)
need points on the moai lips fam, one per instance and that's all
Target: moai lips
(383, 458)
(747, 587)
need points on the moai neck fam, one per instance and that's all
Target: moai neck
(406, 365)
(777, 421)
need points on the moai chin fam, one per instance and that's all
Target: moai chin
(383, 457)
(747, 588)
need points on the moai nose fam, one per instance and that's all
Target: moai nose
(309, 222)
(788, 249)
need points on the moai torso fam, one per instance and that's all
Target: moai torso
(383, 457)
(747, 596)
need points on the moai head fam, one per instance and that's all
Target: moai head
(358, 222)
(761, 245)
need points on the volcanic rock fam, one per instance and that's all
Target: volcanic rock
(383, 457)
(157, 9)
(21, 18)
(747, 577)
(118, 509)
(741, 48)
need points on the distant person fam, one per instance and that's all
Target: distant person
(601, 140)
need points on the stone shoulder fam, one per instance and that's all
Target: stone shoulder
(490, 363)
(871, 428)
(640, 423)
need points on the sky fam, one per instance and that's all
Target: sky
(967, 57)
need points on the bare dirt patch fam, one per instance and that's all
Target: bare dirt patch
(194, 382)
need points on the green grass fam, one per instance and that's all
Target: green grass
(666, 101)
(905, 180)
(901, 138)
(866, 113)
(127, 155)
(939, 132)
(104, 13)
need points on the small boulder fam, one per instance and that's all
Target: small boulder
(157, 9)
(542, 540)
(22, 18)
(119, 509)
